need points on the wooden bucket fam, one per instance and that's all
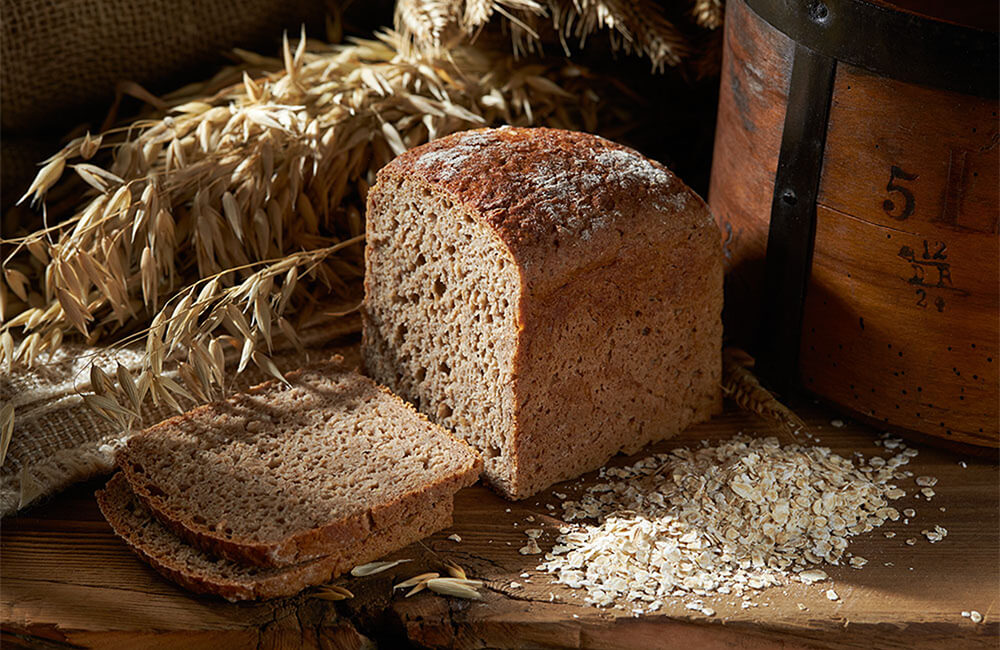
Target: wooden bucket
(855, 180)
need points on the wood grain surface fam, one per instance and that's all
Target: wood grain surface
(66, 581)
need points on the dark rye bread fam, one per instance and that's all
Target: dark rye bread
(287, 473)
(552, 297)
(202, 573)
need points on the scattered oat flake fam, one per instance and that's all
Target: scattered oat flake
(926, 481)
(927, 492)
(976, 616)
(837, 423)
(832, 595)
(890, 534)
(857, 561)
(911, 541)
(963, 464)
(531, 548)
(910, 512)
(812, 575)
(734, 516)
(455, 537)
(515, 585)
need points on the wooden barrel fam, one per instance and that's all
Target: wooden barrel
(855, 180)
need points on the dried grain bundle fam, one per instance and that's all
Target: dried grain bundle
(639, 26)
(231, 218)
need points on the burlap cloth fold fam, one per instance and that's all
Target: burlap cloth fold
(59, 441)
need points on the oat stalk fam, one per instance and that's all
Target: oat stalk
(233, 218)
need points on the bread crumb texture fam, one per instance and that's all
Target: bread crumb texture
(552, 297)
(285, 473)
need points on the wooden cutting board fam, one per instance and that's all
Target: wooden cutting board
(66, 581)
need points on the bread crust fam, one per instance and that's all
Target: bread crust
(617, 259)
(303, 545)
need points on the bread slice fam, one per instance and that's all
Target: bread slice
(286, 473)
(552, 297)
(201, 573)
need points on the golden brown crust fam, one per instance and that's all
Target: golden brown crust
(303, 546)
(619, 323)
(559, 200)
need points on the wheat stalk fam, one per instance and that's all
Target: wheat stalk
(231, 219)
(639, 26)
(740, 385)
(708, 13)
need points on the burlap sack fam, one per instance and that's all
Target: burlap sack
(59, 441)
(61, 57)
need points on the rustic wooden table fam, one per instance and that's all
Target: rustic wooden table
(66, 581)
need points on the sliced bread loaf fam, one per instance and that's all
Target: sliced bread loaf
(286, 473)
(202, 573)
(550, 296)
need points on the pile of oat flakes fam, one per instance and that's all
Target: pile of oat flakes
(730, 518)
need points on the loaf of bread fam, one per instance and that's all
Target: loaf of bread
(202, 573)
(552, 297)
(287, 473)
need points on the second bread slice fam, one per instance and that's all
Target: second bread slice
(201, 573)
(287, 473)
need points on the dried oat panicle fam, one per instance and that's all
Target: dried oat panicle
(729, 518)
(228, 220)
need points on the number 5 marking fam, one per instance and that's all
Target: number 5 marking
(888, 205)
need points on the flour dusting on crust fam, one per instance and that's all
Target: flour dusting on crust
(562, 184)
